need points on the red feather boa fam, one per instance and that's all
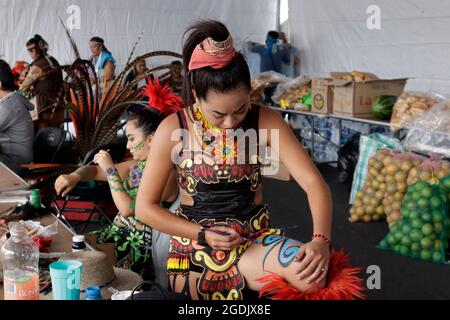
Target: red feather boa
(162, 98)
(343, 283)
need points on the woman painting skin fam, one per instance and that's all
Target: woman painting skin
(223, 246)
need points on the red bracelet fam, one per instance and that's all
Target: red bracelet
(321, 236)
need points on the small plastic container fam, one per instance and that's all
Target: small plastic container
(93, 293)
(78, 243)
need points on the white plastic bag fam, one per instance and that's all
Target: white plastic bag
(430, 132)
(292, 90)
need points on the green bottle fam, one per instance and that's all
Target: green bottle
(35, 198)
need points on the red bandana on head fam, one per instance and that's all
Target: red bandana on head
(211, 53)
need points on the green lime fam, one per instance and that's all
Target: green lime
(406, 229)
(416, 196)
(446, 183)
(414, 215)
(438, 257)
(390, 239)
(411, 206)
(426, 192)
(397, 248)
(423, 203)
(406, 241)
(404, 250)
(420, 185)
(426, 217)
(415, 235)
(416, 223)
(438, 245)
(383, 244)
(437, 216)
(398, 236)
(435, 202)
(427, 229)
(425, 255)
(415, 247)
(426, 243)
(438, 227)
(406, 213)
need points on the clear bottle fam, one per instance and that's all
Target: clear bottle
(20, 259)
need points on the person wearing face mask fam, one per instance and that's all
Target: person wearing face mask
(273, 54)
(223, 245)
(132, 237)
(45, 81)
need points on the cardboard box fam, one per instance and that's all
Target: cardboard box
(322, 95)
(354, 98)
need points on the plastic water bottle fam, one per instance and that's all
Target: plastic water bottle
(93, 293)
(20, 259)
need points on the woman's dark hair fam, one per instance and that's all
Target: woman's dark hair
(273, 34)
(6, 76)
(145, 119)
(101, 41)
(205, 79)
(40, 44)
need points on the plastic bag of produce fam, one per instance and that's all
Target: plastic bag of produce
(444, 183)
(368, 204)
(263, 80)
(431, 131)
(431, 170)
(368, 147)
(421, 232)
(411, 105)
(396, 175)
(292, 91)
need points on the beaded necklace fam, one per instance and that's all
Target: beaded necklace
(214, 140)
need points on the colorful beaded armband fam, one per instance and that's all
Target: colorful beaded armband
(321, 236)
(111, 171)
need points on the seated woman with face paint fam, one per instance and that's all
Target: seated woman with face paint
(223, 246)
(133, 238)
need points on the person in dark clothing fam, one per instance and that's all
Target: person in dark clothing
(176, 77)
(45, 81)
(139, 68)
(16, 127)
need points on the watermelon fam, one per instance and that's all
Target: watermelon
(382, 107)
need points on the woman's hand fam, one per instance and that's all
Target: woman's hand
(222, 238)
(65, 183)
(103, 160)
(313, 259)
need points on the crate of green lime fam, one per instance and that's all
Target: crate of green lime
(422, 231)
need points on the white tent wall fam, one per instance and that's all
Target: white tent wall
(412, 40)
(120, 23)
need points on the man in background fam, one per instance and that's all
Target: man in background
(273, 54)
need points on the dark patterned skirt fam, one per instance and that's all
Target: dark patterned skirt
(220, 277)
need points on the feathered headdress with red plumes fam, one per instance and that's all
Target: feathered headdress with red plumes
(161, 97)
(343, 283)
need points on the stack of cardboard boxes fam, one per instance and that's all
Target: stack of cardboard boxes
(351, 94)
